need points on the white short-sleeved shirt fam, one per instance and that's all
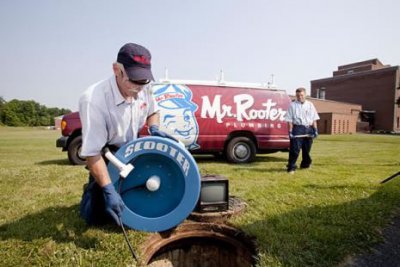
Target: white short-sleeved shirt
(302, 113)
(107, 118)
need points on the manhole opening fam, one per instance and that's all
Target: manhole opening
(201, 245)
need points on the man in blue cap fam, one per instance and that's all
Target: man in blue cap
(112, 112)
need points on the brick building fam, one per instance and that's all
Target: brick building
(368, 83)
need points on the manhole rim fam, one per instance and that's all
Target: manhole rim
(187, 230)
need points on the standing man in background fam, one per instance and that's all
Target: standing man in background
(112, 113)
(302, 120)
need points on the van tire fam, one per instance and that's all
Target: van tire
(240, 150)
(74, 149)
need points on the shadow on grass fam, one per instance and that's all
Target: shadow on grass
(338, 187)
(372, 164)
(325, 235)
(264, 170)
(61, 224)
(270, 159)
(209, 159)
(54, 162)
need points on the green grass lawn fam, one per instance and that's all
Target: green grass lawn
(315, 217)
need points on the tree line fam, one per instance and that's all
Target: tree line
(28, 113)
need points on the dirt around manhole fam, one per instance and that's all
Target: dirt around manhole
(236, 207)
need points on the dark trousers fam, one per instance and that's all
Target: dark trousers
(92, 206)
(296, 144)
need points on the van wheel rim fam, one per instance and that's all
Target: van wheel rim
(241, 151)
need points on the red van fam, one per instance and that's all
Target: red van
(230, 119)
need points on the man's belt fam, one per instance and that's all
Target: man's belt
(299, 125)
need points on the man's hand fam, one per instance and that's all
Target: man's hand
(113, 202)
(155, 131)
(291, 136)
(315, 134)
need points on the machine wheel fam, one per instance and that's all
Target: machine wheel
(240, 150)
(74, 149)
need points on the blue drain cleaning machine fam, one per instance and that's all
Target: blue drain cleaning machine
(161, 189)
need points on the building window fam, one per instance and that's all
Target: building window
(321, 93)
(334, 126)
(398, 122)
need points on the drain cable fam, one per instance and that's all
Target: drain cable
(124, 169)
(123, 228)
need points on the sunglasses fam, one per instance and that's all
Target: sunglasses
(137, 82)
(140, 82)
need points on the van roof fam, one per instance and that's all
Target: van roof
(221, 84)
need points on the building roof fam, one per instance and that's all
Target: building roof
(358, 74)
(368, 62)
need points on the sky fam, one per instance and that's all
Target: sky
(51, 51)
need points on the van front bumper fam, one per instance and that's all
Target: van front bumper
(62, 142)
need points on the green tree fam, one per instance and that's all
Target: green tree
(11, 115)
(2, 103)
(28, 113)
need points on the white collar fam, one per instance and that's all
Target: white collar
(118, 98)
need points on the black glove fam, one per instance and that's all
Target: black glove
(155, 131)
(315, 134)
(113, 202)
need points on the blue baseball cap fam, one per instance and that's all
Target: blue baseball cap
(136, 60)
